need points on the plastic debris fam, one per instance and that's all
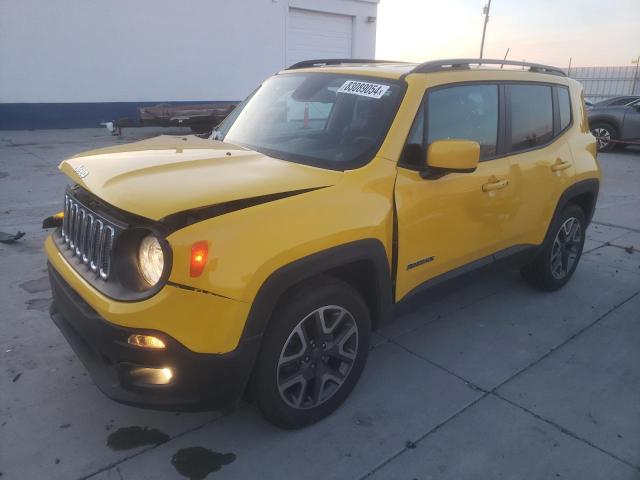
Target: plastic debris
(8, 238)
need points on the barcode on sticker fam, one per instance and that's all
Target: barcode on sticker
(365, 89)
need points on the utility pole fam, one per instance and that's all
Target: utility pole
(485, 12)
(635, 75)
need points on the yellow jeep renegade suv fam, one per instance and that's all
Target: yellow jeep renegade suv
(187, 270)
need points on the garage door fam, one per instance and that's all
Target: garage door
(318, 35)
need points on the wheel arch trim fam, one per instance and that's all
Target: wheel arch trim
(370, 250)
(605, 119)
(588, 186)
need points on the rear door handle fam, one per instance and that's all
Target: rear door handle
(560, 165)
(494, 184)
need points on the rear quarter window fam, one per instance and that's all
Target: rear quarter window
(564, 106)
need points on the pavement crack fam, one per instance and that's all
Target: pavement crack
(469, 383)
(33, 154)
(564, 430)
(422, 437)
(493, 391)
(605, 224)
(585, 252)
(629, 248)
(565, 342)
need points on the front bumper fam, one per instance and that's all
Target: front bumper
(200, 381)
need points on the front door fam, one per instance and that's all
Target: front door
(631, 123)
(445, 223)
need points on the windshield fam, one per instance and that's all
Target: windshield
(327, 120)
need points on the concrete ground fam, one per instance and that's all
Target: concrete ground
(490, 380)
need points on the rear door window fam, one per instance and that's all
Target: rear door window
(531, 116)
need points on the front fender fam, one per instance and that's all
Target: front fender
(247, 246)
(612, 120)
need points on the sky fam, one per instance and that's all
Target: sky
(592, 33)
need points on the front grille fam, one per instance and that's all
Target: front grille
(88, 236)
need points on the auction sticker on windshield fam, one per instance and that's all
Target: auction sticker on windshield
(365, 89)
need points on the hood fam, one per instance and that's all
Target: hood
(160, 176)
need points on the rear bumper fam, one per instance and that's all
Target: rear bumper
(200, 381)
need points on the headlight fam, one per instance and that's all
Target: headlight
(150, 259)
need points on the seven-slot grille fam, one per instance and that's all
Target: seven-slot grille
(88, 236)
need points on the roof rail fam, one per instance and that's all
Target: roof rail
(323, 62)
(465, 64)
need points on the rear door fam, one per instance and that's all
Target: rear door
(538, 117)
(447, 222)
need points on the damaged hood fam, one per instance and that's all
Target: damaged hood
(160, 176)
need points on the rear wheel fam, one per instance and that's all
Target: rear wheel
(555, 263)
(312, 354)
(605, 136)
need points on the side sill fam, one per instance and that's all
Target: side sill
(517, 254)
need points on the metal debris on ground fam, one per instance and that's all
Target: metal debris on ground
(8, 238)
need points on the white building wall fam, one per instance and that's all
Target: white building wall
(152, 50)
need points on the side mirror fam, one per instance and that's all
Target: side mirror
(446, 156)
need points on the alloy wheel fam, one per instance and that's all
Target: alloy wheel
(603, 137)
(566, 248)
(317, 357)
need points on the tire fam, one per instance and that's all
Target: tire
(554, 265)
(294, 386)
(604, 133)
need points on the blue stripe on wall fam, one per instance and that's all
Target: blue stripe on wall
(32, 116)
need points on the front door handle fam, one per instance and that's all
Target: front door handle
(560, 165)
(494, 184)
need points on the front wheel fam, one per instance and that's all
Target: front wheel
(313, 353)
(554, 265)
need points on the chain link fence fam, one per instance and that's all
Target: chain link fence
(601, 83)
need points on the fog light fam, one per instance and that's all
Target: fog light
(152, 376)
(145, 341)
(167, 373)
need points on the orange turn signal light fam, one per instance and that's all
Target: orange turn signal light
(199, 252)
(53, 221)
